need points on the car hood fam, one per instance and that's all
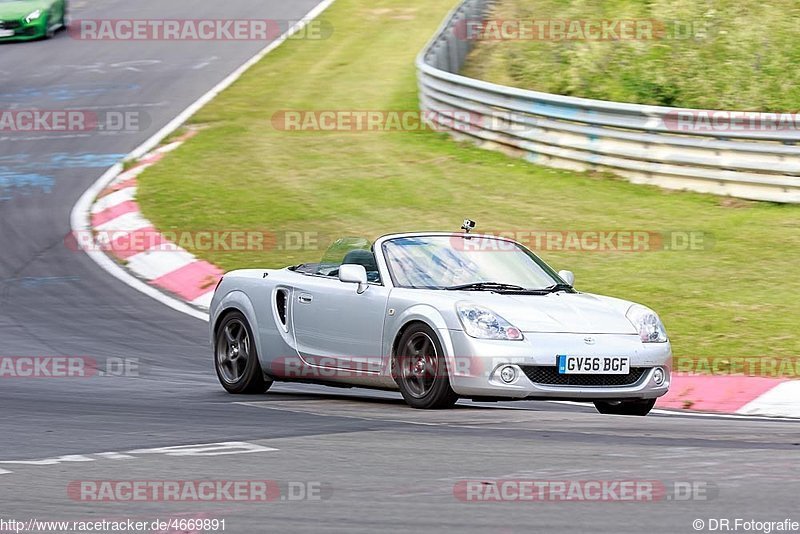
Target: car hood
(561, 312)
(21, 9)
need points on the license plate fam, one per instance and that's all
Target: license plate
(6, 33)
(593, 365)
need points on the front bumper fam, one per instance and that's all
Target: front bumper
(474, 368)
(22, 31)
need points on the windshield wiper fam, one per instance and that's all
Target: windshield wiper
(510, 288)
(558, 287)
(490, 286)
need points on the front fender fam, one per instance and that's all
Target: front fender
(236, 300)
(429, 315)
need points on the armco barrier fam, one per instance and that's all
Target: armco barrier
(639, 143)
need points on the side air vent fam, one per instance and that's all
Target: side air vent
(281, 300)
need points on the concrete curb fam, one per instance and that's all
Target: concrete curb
(736, 394)
(119, 229)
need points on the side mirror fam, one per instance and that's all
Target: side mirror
(354, 274)
(567, 276)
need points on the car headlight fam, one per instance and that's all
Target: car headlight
(33, 16)
(650, 327)
(482, 323)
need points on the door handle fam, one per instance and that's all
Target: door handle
(305, 298)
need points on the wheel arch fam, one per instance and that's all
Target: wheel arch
(431, 317)
(236, 301)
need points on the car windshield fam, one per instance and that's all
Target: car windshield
(347, 250)
(479, 262)
(338, 251)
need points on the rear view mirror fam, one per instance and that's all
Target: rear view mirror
(354, 274)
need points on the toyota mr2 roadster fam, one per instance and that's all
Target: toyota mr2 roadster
(438, 316)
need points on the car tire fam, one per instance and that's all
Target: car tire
(640, 407)
(49, 32)
(420, 369)
(236, 358)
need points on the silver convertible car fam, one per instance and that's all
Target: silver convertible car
(439, 316)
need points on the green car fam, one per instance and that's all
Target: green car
(23, 20)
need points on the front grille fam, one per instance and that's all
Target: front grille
(548, 375)
(10, 24)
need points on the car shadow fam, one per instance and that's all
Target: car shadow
(367, 398)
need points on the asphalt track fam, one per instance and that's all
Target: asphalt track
(384, 467)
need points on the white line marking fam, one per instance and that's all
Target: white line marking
(166, 149)
(79, 218)
(204, 301)
(204, 449)
(45, 137)
(115, 456)
(205, 63)
(50, 461)
(661, 411)
(208, 449)
(725, 415)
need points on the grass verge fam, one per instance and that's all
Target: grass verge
(738, 296)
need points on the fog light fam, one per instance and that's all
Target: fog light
(508, 374)
(658, 376)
